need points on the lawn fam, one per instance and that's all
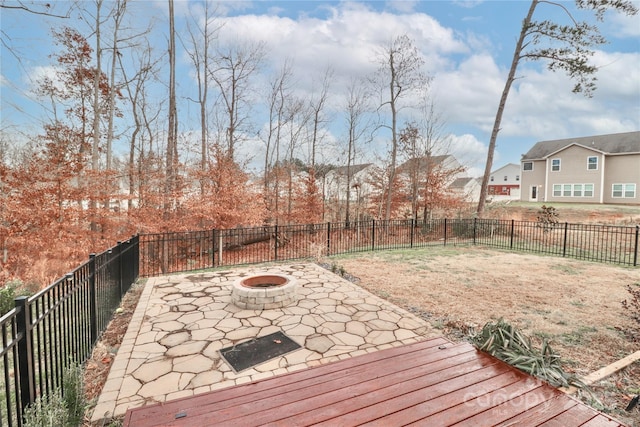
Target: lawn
(576, 305)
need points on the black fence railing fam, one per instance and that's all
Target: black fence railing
(174, 252)
(60, 325)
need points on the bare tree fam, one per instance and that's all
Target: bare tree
(37, 8)
(358, 128)
(200, 38)
(399, 74)
(317, 105)
(232, 70)
(279, 94)
(564, 47)
(135, 89)
(419, 142)
(297, 117)
(119, 10)
(172, 133)
(97, 107)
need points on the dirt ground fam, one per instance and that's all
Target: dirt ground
(574, 304)
(574, 213)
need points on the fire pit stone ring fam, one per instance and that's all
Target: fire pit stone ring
(264, 291)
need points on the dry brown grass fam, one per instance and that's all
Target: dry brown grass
(574, 304)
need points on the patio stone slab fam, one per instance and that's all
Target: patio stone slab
(182, 321)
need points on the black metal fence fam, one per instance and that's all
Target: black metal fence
(175, 252)
(59, 326)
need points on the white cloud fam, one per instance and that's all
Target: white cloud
(470, 152)
(469, 94)
(40, 73)
(622, 25)
(348, 38)
(404, 6)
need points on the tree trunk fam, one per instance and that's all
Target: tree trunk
(501, 106)
(171, 153)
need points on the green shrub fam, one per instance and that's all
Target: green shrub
(59, 409)
(8, 293)
(47, 411)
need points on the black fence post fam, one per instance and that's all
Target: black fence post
(411, 236)
(25, 353)
(475, 226)
(373, 234)
(213, 248)
(512, 232)
(445, 232)
(93, 304)
(635, 252)
(275, 246)
(564, 243)
(119, 270)
(136, 256)
(328, 238)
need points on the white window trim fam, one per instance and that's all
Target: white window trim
(635, 191)
(584, 189)
(559, 165)
(589, 164)
(561, 189)
(624, 190)
(573, 190)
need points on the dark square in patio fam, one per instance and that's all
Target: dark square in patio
(255, 351)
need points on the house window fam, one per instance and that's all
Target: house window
(572, 190)
(577, 190)
(630, 191)
(592, 163)
(624, 191)
(527, 166)
(555, 165)
(491, 178)
(517, 177)
(588, 190)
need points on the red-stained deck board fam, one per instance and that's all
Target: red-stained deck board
(433, 382)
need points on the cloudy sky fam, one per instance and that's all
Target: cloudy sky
(467, 48)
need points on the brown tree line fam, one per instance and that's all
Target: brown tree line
(65, 194)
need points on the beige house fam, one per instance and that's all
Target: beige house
(467, 188)
(592, 169)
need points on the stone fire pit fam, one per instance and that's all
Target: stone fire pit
(264, 291)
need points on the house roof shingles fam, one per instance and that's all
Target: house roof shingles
(619, 143)
(342, 170)
(423, 163)
(460, 182)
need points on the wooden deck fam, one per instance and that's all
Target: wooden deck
(433, 383)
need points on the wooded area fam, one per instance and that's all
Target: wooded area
(66, 192)
(111, 157)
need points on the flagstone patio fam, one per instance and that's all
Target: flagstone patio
(171, 348)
